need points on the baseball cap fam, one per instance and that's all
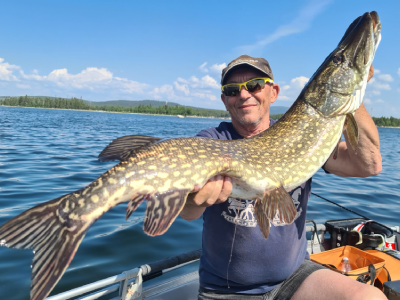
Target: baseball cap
(258, 63)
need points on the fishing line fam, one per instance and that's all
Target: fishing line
(233, 240)
(341, 206)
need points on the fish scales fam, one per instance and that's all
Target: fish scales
(163, 172)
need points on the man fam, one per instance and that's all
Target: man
(279, 267)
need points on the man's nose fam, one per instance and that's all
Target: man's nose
(244, 93)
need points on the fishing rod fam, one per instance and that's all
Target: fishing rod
(330, 201)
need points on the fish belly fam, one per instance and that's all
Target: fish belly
(242, 189)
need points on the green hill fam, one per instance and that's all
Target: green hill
(131, 103)
(154, 103)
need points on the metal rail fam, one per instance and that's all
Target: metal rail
(129, 283)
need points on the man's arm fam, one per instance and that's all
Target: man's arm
(367, 160)
(215, 191)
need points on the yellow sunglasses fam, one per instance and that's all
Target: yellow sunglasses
(253, 85)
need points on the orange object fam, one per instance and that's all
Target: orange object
(359, 260)
(392, 265)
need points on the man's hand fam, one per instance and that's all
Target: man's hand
(215, 191)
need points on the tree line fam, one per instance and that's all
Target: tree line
(79, 104)
(75, 103)
(390, 122)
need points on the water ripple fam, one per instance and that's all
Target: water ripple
(48, 153)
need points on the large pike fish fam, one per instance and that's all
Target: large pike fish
(164, 172)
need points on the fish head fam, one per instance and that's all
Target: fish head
(338, 86)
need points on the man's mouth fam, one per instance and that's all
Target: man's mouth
(246, 106)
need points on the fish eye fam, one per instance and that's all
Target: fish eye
(337, 59)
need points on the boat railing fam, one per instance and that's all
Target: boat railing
(128, 284)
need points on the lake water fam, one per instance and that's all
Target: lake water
(47, 153)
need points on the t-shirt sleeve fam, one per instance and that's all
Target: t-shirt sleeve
(204, 133)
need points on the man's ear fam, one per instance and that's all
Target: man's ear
(275, 92)
(223, 101)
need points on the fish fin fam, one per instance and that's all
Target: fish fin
(123, 147)
(133, 204)
(162, 209)
(52, 234)
(262, 219)
(279, 200)
(352, 131)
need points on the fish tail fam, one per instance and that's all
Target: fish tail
(54, 235)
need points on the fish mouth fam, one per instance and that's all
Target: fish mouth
(361, 40)
(342, 77)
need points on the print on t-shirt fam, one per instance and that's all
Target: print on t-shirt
(242, 211)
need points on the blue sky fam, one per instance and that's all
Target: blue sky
(174, 50)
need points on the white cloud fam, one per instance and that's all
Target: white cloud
(378, 85)
(217, 68)
(367, 101)
(380, 101)
(189, 89)
(165, 90)
(282, 97)
(205, 82)
(291, 91)
(203, 67)
(301, 23)
(182, 87)
(205, 95)
(385, 77)
(88, 78)
(92, 78)
(102, 81)
(398, 71)
(23, 86)
(6, 71)
(376, 71)
(299, 82)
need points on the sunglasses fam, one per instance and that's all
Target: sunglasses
(253, 85)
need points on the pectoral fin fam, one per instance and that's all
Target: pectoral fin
(352, 131)
(162, 209)
(133, 204)
(279, 200)
(123, 147)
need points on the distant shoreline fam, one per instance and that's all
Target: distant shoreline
(117, 112)
(387, 127)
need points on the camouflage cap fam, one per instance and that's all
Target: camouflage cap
(255, 62)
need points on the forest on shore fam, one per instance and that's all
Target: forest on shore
(79, 104)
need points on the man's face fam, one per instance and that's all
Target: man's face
(249, 109)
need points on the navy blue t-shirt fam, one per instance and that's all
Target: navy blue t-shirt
(257, 265)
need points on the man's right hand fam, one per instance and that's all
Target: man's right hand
(215, 191)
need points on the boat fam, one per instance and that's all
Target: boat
(136, 283)
(180, 116)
